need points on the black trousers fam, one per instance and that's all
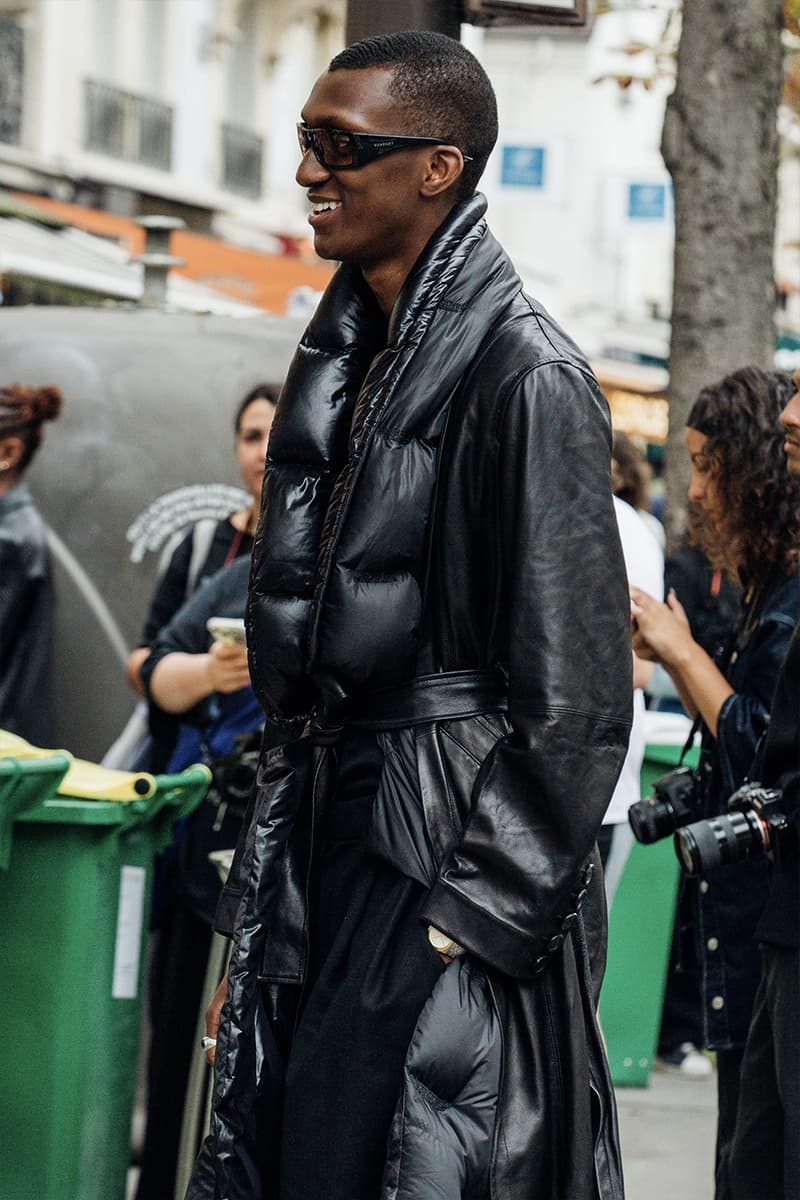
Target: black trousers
(372, 969)
(765, 1158)
(729, 1064)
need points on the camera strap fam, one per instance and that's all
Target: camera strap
(687, 745)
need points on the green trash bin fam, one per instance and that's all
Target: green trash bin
(74, 910)
(23, 786)
(639, 938)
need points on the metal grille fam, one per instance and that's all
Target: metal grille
(154, 125)
(242, 153)
(127, 126)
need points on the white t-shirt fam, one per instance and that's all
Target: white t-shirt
(644, 565)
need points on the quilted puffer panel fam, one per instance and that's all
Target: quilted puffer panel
(392, 480)
(440, 1142)
(287, 565)
(358, 605)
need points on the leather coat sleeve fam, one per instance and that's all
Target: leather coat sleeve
(541, 794)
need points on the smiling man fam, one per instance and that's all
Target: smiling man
(438, 632)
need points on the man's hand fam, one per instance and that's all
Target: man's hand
(444, 946)
(227, 667)
(212, 1015)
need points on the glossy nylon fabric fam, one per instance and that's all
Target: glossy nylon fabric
(331, 604)
(439, 1141)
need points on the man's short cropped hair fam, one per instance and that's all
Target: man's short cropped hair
(442, 85)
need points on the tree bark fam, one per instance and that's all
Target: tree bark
(720, 145)
(368, 17)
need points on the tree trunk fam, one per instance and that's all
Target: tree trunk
(720, 145)
(368, 17)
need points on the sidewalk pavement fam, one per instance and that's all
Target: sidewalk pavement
(667, 1131)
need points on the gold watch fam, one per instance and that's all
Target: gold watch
(443, 943)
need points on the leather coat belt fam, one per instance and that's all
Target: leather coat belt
(444, 696)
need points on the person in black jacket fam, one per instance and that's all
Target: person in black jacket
(26, 586)
(765, 1161)
(438, 629)
(198, 555)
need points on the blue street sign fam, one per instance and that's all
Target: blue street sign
(647, 201)
(523, 166)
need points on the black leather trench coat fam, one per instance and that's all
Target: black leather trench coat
(439, 559)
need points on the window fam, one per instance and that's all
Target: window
(127, 126)
(241, 161)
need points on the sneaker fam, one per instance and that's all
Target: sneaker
(687, 1060)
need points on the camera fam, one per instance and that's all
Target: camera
(754, 825)
(672, 804)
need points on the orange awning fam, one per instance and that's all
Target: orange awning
(250, 276)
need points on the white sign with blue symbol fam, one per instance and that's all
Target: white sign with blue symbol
(647, 201)
(523, 166)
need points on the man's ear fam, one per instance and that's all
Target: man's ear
(444, 167)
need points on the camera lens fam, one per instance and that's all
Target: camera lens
(652, 820)
(705, 845)
(643, 822)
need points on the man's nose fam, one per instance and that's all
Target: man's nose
(311, 170)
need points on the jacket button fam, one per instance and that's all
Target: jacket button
(588, 872)
(569, 922)
(713, 943)
(540, 964)
(581, 896)
(717, 1003)
(555, 943)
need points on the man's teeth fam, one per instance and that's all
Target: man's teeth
(325, 206)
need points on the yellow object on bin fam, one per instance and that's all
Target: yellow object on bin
(84, 780)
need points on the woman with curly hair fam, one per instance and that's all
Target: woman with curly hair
(26, 595)
(746, 518)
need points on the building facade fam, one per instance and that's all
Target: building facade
(188, 107)
(178, 106)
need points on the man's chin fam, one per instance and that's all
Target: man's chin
(324, 249)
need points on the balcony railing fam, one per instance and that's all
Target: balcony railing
(242, 153)
(12, 68)
(127, 126)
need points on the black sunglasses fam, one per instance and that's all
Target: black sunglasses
(343, 150)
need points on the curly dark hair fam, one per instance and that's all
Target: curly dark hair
(759, 501)
(442, 85)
